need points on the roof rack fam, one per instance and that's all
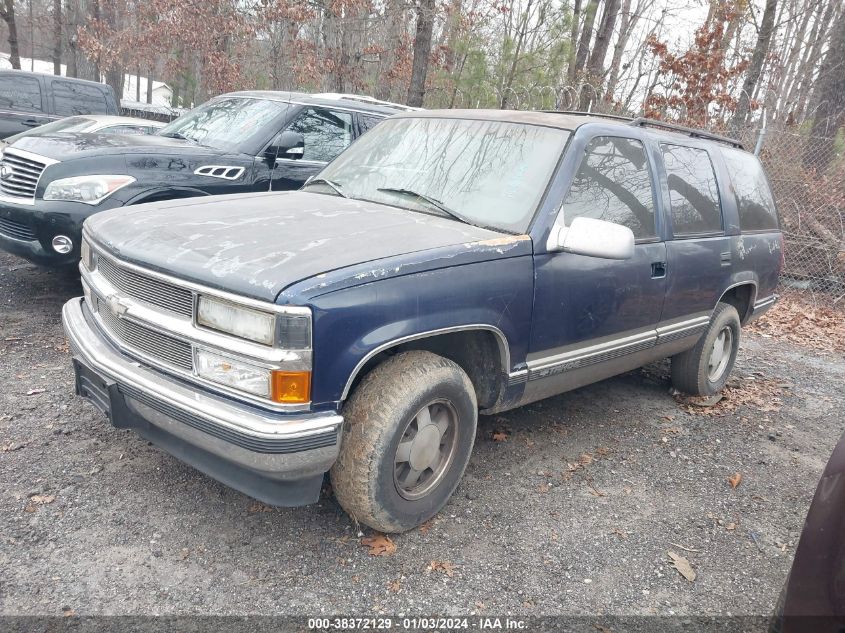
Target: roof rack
(617, 117)
(646, 122)
(363, 99)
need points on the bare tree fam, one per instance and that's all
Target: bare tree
(586, 37)
(7, 12)
(57, 37)
(422, 50)
(761, 49)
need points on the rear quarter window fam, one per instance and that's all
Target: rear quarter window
(754, 198)
(71, 98)
(20, 94)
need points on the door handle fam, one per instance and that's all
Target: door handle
(658, 270)
(31, 123)
(725, 258)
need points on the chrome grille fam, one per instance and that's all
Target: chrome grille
(157, 346)
(24, 175)
(16, 230)
(152, 291)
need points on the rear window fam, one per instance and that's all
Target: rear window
(753, 195)
(22, 94)
(71, 98)
(693, 192)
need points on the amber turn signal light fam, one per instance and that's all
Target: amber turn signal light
(291, 387)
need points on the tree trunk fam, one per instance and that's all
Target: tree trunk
(595, 67)
(573, 40)
(422, 50)
(806, 70)
(57, 37)
(627, 25)
(830, 114)
(7, 12)
(138, 82)
(586, 36)
(761, 49)
(150, 85)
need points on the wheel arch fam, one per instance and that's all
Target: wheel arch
(477, 348)
(741, 295)
(165, 193)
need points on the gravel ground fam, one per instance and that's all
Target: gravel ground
(573, 513)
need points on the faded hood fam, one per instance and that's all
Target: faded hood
(258, 244)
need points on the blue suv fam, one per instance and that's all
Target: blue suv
(448, 263)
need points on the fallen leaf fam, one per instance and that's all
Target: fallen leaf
(620, 533)
(682, 565)
(67, 612)
(730, 527)
(259, 507)
(42, 499)
(444, 567)
(500, 436)
(380, 545)
(735, 479)
(543, 488)
(425, 527)
(479, 605)
(394, 586)
(184, 553)
(34, 392)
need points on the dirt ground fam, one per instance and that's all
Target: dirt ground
(569, 506)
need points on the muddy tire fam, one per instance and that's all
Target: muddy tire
(704, 369)
(408, 433)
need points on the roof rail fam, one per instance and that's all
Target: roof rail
(674, 127)
(617, 117)
(363, 99)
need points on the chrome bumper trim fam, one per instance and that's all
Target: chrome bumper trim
(168, 404)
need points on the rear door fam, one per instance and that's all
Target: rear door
(699, 252)
(596, 317)
(70, 98)
(22, 103)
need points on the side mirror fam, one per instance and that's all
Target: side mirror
(593, 238)
(288, 144)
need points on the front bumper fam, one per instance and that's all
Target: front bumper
(276, 458)
(27, 230)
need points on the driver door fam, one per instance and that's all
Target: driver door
(326, 133)
(596, 317)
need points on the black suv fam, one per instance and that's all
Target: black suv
(28, 100)
(237, 142)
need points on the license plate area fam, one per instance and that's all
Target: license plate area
(105, 395)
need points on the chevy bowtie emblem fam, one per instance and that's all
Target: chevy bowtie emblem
(117, 306)
(5, 171)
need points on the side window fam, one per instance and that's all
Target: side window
(693, 192)
(327, 133)
(613, 184)
(74, 98)
(753, 196)
(367, 122)
(20, 93)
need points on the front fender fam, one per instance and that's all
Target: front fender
(352, 324)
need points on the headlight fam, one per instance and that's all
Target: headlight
(87, 189)
(233, 373)
(280, 386)
(247, 323)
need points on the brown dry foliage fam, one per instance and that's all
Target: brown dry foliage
(803, 323)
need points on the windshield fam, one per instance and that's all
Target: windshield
(70, 124)
(488, 173)
(226, 122)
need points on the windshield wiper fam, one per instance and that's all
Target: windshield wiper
(180, 136)
(324, 181)
(432, 202)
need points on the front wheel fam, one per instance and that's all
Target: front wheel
(704, 369)
(408, 433)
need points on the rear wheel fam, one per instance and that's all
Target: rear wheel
(408, 433)
(704, 369)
